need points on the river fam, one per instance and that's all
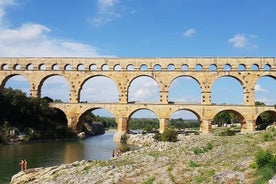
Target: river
(54, 153)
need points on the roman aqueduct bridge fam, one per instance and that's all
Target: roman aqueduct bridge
(163, 70)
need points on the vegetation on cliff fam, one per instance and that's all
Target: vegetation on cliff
(31, 117)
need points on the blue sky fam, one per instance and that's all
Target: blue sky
(143, 28)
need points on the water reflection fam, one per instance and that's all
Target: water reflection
(54, 153)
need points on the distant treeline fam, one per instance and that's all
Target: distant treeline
(153, 123)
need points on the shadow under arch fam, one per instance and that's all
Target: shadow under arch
(235, 119)
(264, 119)
(143, 117)
(61, 116)
(56, 90)
(149, 92)
(108, 88)
(89, 116)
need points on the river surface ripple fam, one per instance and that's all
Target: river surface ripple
(54, 153)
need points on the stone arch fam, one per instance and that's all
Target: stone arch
(184, 77)
(239, 118)
(227, 67)
(130, 67)
(241, 67)
(42, 82)
(42, 67)
(157, 67)
(80, 120)
(131, 81)
(185, 67)
(93, 67)
(171, 67)
(105, 67)
(255, 67)
(68, 67)
(108, 79)
(198, 67)
(143, 67)
(264, 89)
(29, 66)
(80, 67)
(17, 67)
(267, 67)
(226, 91)
(7, 78)
(117, 67)
(153, 113)
(55, 67)
(213, 67)
(272, 113)
(4, 66)
(197, 114)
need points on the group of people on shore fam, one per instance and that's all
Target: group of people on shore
(23, 165)
(119, 152)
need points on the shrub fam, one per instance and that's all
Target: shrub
(157, 136)
(267, 137)
(266, 165)
(124, 138)
(169, 135)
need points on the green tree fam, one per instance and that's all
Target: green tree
(223, 117)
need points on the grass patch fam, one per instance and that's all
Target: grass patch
(149, 180)
(193, 164)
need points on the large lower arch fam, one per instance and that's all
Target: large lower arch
(265, 119)
(90, 113)
(141, 118)
(184, 119)
(236, 119)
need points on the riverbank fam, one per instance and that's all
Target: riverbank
(203, 158)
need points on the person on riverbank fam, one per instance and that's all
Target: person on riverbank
(25, 165)
(22, 165)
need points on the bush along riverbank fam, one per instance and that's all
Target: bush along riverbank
(203, 158)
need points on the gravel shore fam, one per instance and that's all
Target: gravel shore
(203, 158)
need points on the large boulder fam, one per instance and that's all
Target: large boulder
(92, 129)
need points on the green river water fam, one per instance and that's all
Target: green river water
(53, 153)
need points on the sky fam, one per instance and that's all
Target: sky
(142, 28)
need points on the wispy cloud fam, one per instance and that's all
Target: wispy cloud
(189, 33)
(258, 88)
(107, 12)
(34, 40)
(243, 41)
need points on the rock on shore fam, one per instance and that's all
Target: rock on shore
(193, 159)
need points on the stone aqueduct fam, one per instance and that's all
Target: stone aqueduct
(163, 70)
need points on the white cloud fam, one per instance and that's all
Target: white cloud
(258, 88)
(33, 40)
(242, 41)
(189, 33)
(107, 12)
(144, 89)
